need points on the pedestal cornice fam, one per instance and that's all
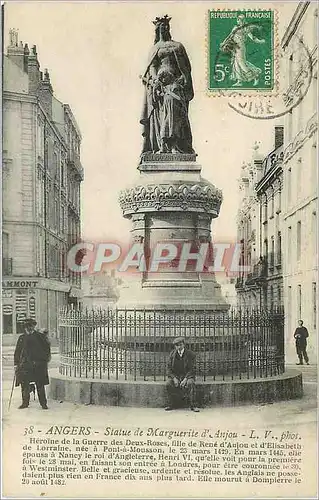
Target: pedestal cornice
(182, 195)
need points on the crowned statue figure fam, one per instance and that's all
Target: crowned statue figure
(168, 90)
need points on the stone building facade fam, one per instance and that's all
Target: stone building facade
(269, 193)
(247, 285)
(286, 196)
(259, 228)
(300, 174)
(42, 173)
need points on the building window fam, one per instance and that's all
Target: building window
(7, 269)
(299, 302)
(265, 210)
(265, 298)
(63, 258)
(46, 155)
(40, 197)
(40, 139)
(5, 244)
(62, 172)
(279, 248)
(289, 247)
(271, 296)
(56, 214)
(298, 240)
(62, 219)
(57, 261)
(41, 246)
(266, 251)
(314, 305)
(272, 204)
(290, 80)
(272, 252)
(279, 201)
(55, 166)
(54, 264)
(279, 295)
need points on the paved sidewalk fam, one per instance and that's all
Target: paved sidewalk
(293, 416)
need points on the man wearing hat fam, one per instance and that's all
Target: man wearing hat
(181, 377)
(31, 357)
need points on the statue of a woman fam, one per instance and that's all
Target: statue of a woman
(168, 90)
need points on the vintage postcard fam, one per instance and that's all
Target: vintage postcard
(159, 249)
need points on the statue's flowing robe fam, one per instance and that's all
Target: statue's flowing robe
(169, 118)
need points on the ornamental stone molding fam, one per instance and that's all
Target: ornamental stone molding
(192, 197)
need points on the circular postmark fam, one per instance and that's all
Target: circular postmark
(289, 94)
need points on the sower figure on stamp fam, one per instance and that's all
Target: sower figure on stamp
(31, 357)
(181, 381)
(301, 334)
(235, 44)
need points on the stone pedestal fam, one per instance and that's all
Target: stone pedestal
(171, 202)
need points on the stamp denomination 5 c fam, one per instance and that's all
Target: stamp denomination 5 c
(241, 50)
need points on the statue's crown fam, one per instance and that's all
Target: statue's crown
(164, 19)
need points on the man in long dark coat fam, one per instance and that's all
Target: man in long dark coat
(31, 357)
(181, 376)
(301, 334)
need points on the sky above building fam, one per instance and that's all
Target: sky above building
(95, 52)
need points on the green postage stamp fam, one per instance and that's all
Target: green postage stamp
(241, 49)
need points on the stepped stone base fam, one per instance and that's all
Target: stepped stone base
(153, 394)
(200, 294)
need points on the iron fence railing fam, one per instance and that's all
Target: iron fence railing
(133, 344)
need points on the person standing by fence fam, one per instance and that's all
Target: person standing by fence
(301, 334)
(31, 357)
